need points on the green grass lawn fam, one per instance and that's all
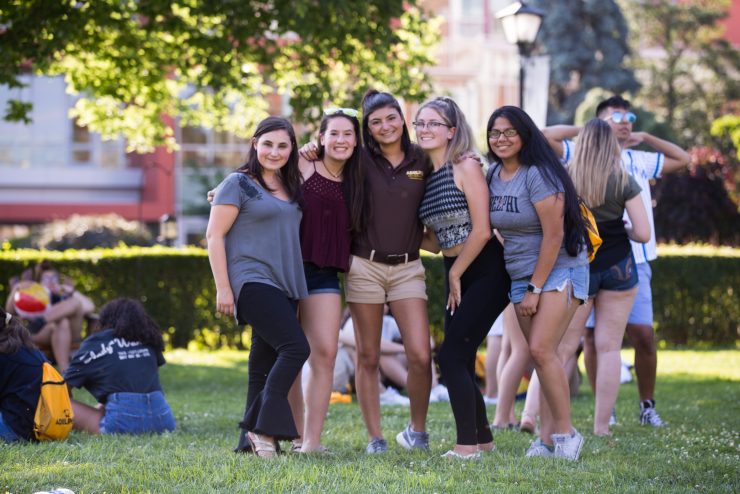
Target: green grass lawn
(698, 395)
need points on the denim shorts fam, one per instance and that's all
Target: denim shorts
(321, 280)
(642, 309)
(620, 277)
(137, 413)
(6, 433)
(559, 279)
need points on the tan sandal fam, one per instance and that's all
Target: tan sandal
(261, 447)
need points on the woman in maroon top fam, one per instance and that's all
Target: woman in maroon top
(385, 265)
(329, 190)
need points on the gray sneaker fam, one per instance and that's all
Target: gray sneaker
(538, 448)
(649, 416)
(567, 445)
(410, 439)
(377, 445)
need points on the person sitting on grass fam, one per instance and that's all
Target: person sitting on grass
(20, 380)
(60, 328)
(119, 366)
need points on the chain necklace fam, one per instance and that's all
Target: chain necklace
(337, 175)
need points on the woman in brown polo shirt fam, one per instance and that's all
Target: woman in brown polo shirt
(385, 266)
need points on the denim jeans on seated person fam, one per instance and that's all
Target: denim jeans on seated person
(6, 433)
(137, 413)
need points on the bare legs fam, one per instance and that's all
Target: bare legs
(511, 374)
(320, 317)
(493, 350)
(544, 332)
(87, 418)
(411, 316)
(646, 358)
(612, 309)
(413, 323)
(57, 335)
(367, 321)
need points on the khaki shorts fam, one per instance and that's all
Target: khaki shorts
(369, 282)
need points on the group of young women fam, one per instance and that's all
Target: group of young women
(286, 224)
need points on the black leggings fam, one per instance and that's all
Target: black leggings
(485, 287)
(279, 350)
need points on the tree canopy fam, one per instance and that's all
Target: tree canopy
(693, 72)
(587, 45)
(211, 62)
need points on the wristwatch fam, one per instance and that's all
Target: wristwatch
(532, 288)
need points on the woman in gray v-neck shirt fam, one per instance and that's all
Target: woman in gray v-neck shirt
(255, 256)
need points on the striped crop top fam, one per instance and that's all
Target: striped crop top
(444, 208)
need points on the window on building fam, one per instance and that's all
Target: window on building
(52, 140)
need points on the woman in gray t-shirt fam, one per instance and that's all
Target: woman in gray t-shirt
(255, 256)
(535, 208)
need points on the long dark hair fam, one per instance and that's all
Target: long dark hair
(537, 152)
(353, 184)
(13, 335)
(129, 320)
(290, 175)
(374, 100)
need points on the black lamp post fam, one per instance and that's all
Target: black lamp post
(167, 230)
(521, 24)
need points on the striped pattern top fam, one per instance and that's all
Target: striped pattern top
(444, 208)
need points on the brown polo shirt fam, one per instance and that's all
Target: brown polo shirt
(393, 196)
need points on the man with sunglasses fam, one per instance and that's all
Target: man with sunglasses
(644, 166)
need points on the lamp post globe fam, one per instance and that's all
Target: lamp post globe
(521, 23)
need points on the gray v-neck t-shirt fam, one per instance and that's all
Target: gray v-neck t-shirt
(263, 244)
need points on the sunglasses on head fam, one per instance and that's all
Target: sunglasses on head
(621, 116)
(350, 112)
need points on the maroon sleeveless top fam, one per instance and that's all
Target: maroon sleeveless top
(324, 232)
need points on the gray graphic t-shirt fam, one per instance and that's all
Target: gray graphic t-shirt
(263, 245)
(514, 215)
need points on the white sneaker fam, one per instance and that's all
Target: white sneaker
(567, 446)
(392, 397)
(625, 375)
(439, 393)
(490, 401)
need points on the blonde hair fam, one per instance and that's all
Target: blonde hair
(597, 157)
(463, 140)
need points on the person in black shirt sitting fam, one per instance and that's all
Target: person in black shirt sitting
(119, 367)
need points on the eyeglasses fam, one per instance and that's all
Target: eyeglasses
(429, 125)
(495, 133)
(620, 116)
(350, 112)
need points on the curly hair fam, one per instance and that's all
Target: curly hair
(129, 320)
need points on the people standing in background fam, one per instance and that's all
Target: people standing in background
(643, 166)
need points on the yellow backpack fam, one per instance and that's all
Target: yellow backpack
(593, 231)
(54, 416)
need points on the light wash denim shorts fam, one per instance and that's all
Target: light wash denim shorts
(137, 413)
(559, 279)
(6, 433)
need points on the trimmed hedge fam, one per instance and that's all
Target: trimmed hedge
(694, 290)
